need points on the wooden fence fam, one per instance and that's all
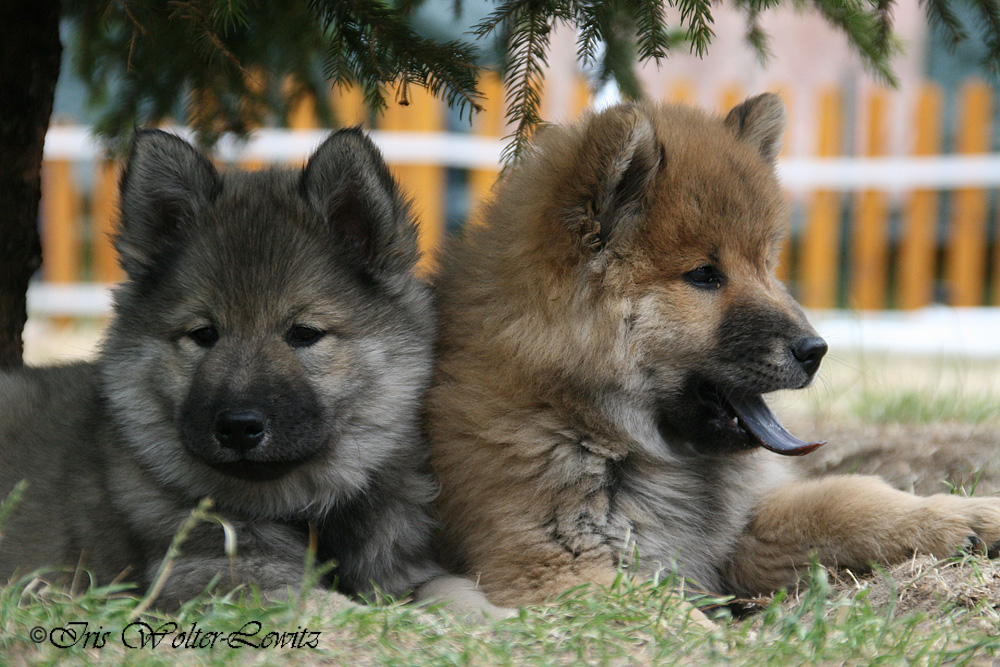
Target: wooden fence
(867, 249)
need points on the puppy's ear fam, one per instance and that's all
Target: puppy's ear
(348, 183)
(618, 160)
(761, 122)
(165, 183)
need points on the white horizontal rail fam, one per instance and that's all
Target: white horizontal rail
(74, 299)
(937, 330)
(467, 151)
(269, 145)
(941, 172)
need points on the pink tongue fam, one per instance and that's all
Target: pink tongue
(758, 419)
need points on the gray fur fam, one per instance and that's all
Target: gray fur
(118, 452)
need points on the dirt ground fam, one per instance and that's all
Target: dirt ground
(920, 458)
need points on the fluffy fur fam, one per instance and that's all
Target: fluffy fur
(598, 329)
(269, 350)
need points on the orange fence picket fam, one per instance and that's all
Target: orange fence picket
(302, 114)
(732, 95)
(581, 98)
(869, 238)
(348, 104)
(61, 231)
(784, 270)
(961, 261)
(819, 245)
(487, 123)
(105, 210)
(423, 183)
(966, 259)
(682, 93)
(917, 245)
(61, 234)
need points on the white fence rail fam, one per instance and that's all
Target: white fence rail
(465, 151)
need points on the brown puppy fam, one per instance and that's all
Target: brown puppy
(607, 336)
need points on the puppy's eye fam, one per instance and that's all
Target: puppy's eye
(705, 277)
(204, 336)
(302, 335)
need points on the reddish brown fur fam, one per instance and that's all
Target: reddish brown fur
(568, 322)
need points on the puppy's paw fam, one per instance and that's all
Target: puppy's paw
(462, 598)
(318, 601)
(951, 524)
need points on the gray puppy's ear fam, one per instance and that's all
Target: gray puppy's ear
(760, 121)
(348, 183)
(165, 183)
(618, 160)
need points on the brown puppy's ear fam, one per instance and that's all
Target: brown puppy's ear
(760, 121)
(619, 157)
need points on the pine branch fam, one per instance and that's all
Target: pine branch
(227, 61)
(652, 34)
(989, 12)
(758, 39)
(223, 64)
(755, 36)
(697, 16)
(383, 47)
(884, 18)
(527, 26)
(941, 16)
(590, 32)
(620, 49)
(864, 30)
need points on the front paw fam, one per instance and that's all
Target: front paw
(950, 524)
(462, 598)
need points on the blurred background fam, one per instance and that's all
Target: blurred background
(893, 244)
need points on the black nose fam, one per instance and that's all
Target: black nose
(809, 350)
(240, 430)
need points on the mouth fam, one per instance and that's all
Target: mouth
(257, 471)
(253, 466)
(747, 419)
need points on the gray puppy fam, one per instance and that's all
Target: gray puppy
(269, 350)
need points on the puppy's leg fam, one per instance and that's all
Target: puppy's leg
(188, 577)
(532, 572)
(544, 570)
(852, 521)
(270, 556)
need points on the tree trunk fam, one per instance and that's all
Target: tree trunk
(30, 54)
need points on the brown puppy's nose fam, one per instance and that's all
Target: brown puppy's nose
(809, 350)
(240, 430)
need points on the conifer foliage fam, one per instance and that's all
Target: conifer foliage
(229, 65)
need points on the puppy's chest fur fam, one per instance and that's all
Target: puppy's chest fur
(641, 509)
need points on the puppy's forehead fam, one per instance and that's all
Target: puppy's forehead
(714, 194)
(262, 256)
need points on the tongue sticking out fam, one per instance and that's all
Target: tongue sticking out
(760, 422)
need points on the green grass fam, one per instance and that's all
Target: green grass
(640, 623)
(923, 407)
(630, 623)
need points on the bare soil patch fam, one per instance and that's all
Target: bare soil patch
(919, 458)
